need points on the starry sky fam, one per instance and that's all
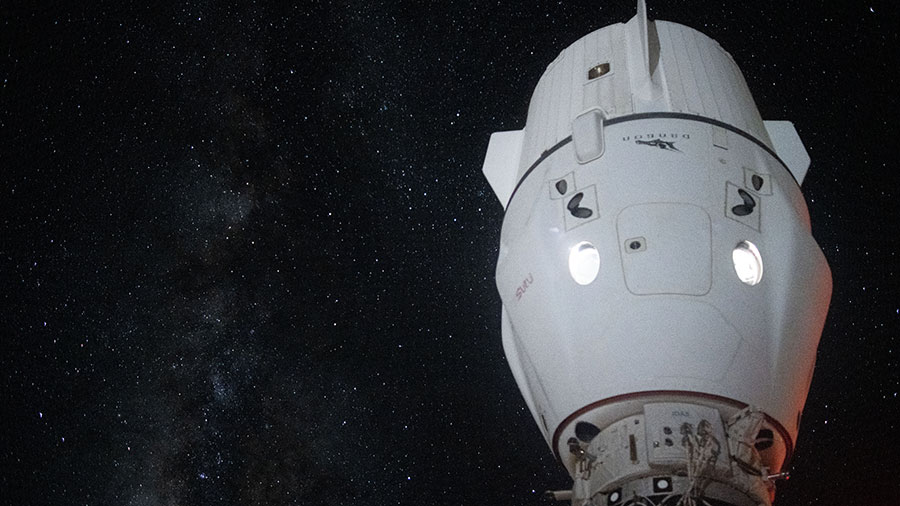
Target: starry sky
(247, 253)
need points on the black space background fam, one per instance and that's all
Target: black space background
(247, 252)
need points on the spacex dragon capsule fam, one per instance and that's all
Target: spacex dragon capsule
(663, 296)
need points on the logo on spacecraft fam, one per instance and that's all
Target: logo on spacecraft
(659, 143)
(665, 142)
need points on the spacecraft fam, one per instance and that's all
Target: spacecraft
(663, 296)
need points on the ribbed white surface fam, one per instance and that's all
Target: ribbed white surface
(696, 76)
(564, 90)
(701, 78)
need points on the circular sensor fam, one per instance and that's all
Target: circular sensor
(584, 263)
(747, 263)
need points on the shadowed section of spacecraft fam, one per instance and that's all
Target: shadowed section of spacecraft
(659, 362)
(586, 431)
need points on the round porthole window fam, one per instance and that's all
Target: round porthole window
(584, 263)
(747, 263)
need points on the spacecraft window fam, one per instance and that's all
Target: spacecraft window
(598, 71)
(584, 263)
(747, 263)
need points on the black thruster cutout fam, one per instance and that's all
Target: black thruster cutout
(573, 207)
(574, 201)
(745, 208)
(757, 182)
(562, 187)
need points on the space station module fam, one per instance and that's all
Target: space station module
(663, 296)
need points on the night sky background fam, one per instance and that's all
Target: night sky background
(247, 253)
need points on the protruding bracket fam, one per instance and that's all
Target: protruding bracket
(643, 63)
(645, 39)
(788, 146)
(501, 164)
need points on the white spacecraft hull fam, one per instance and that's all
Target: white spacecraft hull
(643, 181)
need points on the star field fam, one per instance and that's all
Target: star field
(247, 251)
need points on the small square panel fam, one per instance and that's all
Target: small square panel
(635, 244)
(667, 249)
(687, 421)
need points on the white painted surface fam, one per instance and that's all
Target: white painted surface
(668, 320)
